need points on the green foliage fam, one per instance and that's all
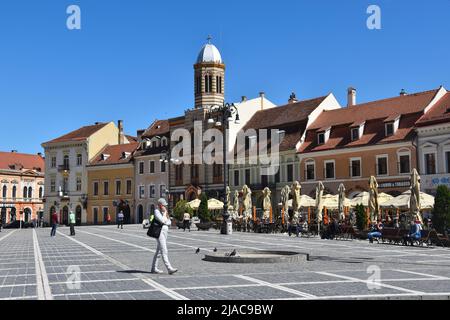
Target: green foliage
(180, 208)
(361, 217)
(441, 211)
(203, 212)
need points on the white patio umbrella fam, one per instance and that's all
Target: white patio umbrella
(214, 204)
(374, 207)
(363, 198)
(414, 200)
(403, 201)
(331, 201)
(305, 201)
(341, 200)
(194, 204)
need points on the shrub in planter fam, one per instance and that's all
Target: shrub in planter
(361, 217)
(180, 208)
(441, 211)
(203, 213)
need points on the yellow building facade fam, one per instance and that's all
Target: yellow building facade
(111, 185)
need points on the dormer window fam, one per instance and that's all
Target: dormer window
(125, 154)
(389, 129)
(321, 138)
(355, 134)
(105, 156)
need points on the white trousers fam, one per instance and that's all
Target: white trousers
(161, 249)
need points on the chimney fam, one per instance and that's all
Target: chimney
(139, 134)
(13, 151)
(39, 154)
(403, 92)
(243, 98)
(351, 97)
(262, 94)
(96, 123)
(121, 135)
(292, 98)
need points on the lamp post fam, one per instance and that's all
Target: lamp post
(220, 116)
(165, 157)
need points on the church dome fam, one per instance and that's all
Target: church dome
(209, 53)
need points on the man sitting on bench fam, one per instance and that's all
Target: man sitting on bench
(414, 234)
(375, 232)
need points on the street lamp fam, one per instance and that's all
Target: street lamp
(221, 116)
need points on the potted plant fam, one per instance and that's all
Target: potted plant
(361, 221)
(204, 214)
(180, 209)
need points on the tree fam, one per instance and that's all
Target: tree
(203, 212)
(441, 211)
(361, 217)
(180, 208)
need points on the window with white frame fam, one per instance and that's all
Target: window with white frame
(355, 134)
(129, 185)
(152, 166)
(78, 183)
(118, 187)
(95, 188)
(79, 159)
(310, 169)
(151, 191)
(447, 161)
(389, 128)
(290, 172)
(430, 163)
(52, 185)
(404, 162)
(329, 168)
(355, 167)
(141, 167)
(141, 192)
(382, 165)
(162, 191)
(53, 162)
(321, 138)
(236, 177)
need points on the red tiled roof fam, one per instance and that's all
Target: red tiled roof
(157, 128)
(18, 161)
(439, 113)
(79, 134)
(380, 109)
(131, 138)
(115, 154)
(409, 108)
(283, 115)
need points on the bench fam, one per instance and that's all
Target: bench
(393, 235)
(434, 238)
(346, 232)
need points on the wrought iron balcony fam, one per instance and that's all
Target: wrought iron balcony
(63, 168)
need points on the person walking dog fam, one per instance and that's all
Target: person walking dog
(162, 216)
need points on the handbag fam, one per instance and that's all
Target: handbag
(155, 229)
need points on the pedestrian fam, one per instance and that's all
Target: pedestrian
(414, 233)
(375, 232)
(54, 224)
(72, 223)
(162, 216)
(187, 221)
(120, 219)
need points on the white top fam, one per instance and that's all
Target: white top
(162, 218)
(209, 53)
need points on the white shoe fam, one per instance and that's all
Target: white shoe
(172, 271)
(156, 271)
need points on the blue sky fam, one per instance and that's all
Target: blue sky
(133, 60)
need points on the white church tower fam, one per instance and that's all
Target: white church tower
(209, 77)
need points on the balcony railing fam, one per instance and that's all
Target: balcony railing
(63, 167)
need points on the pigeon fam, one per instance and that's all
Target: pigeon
(197, 251)
(233, 253)
(215, 250)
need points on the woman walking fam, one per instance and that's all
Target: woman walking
(162, 216)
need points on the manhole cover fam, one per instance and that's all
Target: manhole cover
(257, 256)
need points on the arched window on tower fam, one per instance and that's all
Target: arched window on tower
(218, 84)
(14, 192)
(30, 192)
(5, 190)
(25, 192)
(208, 83)
(198, 85)
(41, 194)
